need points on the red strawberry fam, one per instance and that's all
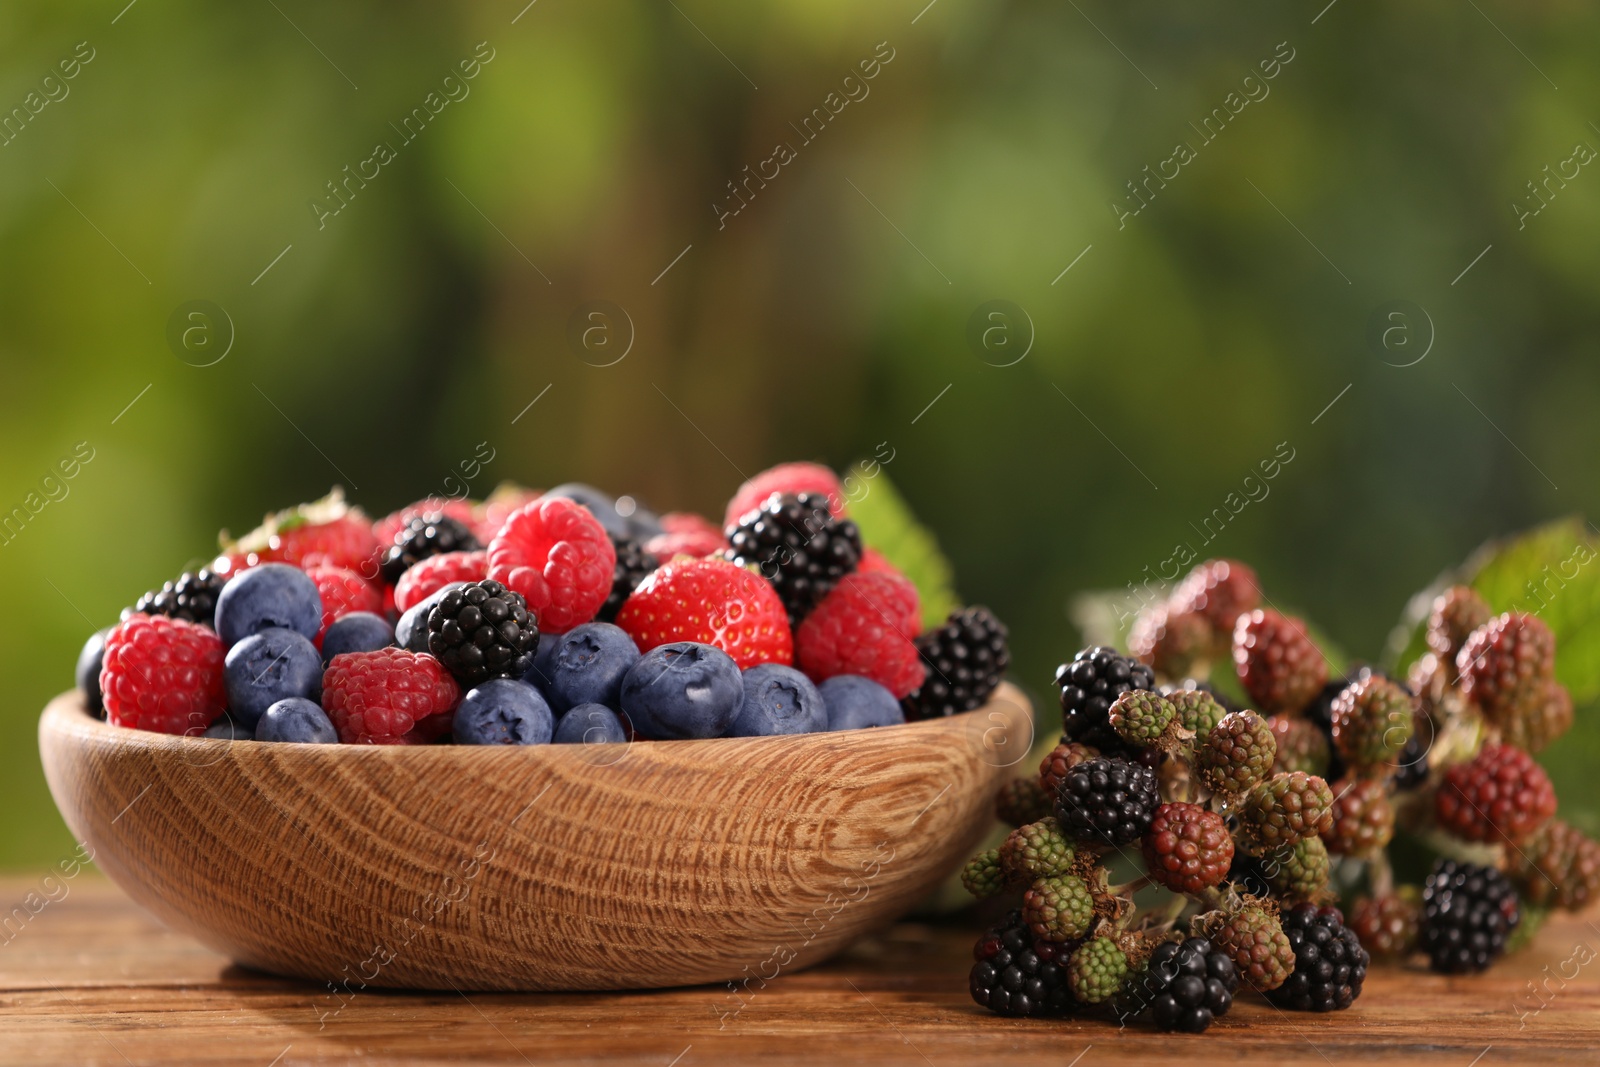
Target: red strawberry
(558, 556)
(714, 602)
(344, 542)
(343, 591)
(162, 674)
(864, 626)
(378, 698)
(434, 573)
(786, 478)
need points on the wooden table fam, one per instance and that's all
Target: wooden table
(90, 979)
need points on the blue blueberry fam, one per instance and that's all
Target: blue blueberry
(682, 690)
(268, 667)
(778, 700)
(855, 702)
(273, 594)
(590, 724)
(411, 632)
(296, 719)
(359, 631)
(543, 669)
(227, 728)
(588, 665)
(504, 711)
(88, 673)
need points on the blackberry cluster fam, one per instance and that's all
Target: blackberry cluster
(1089, 685)
(1468, 913)
(192, 598)
(1329, 962)
(1411, 766)
(1010, 978)
(1107, 801)
(633, 565)
(483, 630)
(796, 544)
(966, 659)
(424, 536)
(1186, 985)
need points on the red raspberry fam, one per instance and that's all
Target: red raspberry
(714, 602)
(1503, 664)
(385, 528)
(873, 561)
(1501, 794)
(345, 542)
(687, 522)
(232, 563)
(786, 478)
(163, 674)
(1277, 662)
(558, 556)
(430, 575)
(489, 516)
(377, 698)
(696, 544)
(864, 627)
(343, 591)
(1220, 590)
(1187, 848)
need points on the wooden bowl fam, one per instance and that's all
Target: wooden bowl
(551, 867)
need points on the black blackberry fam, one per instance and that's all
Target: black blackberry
(1468, 912)
(1107, 801)
(798, 546)
(1089, 684)
(192, 598)
(483, 630)
(424, 536)
(1185, 986)
(1246, 873)
(633, 564)
(1011, 978)
(1412, 764)
(966, 658)
(1320, 712)
(1329, 962)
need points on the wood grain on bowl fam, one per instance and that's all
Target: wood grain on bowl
(553, 867)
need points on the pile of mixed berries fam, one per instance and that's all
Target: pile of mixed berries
(1243, 814)
(532, 617)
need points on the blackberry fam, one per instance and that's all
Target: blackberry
(1010, 978)
(1107, 801)
(1411, 766)
(424, 536)
(633, 565)
(1186, 985)
(1089, 685)
(966, 658)
(192, 598)
(1320, 712)
(1329, 962)
(483, 630)
(796, 544)
(1468, 912)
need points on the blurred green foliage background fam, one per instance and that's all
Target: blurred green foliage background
(589, 160)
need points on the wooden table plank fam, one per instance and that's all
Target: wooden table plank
(90, 979)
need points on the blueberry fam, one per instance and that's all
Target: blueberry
(359, 631)
(88, 674)
(588, 665)
(682, 690)
(543, 669)
(504, 711)
(296, 719)
(590, 724)
(227, 728)
(778, 700)
(268, 667)
(273, 594)
(411, 632)
(855, 702)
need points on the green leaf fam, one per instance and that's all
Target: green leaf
(887, 525)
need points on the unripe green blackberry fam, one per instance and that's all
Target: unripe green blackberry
(1238, 753)
(1286, 808)
(1036, 850)
(1058, 908)
(1302, 746)
(1140, 716)
(983, 876)
(1096, 970)
(1253, 938)
(1197, 711)
(1372, 721)
(1297, 872)
(1021, 801)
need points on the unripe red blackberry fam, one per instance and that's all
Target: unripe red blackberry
(1036, 850)
(1058, 908)
(1286, 808)
(1503, 663)
(1021, 801)
(1238, 753)
(1062, 758)
(1219, 590)
(1457, 612)
(1558, 867)
(1277, 662)
(1363, 818)
(1501, 795)
(1301, 745)
(1197, 711)
(982, 876)
(1174, 643)
(1388, 926)
(1373, 718)
(1254, 940)
(1187, 848)
(1297, 872)
(1545, 715)
(1140, 717)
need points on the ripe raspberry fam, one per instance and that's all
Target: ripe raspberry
(558, 556)
(434, 573)
(696, 544)
(1220, 590)
(1558, 867)
(1297, 872)
(1197, 711)
(785, 478)
(982, 876)
(377, 698)
(873, 560)
(863, 627)
(685, 522)
(162, 674)
(1468, 913)
(1287, 808)
(1253, 938)
(1036, 850)
(1501, 795)
(1021, 801)
(1141, 717)
(1187, 848)
(1277, 662)
(1238, 753)
(342, 592)
(1503, 663)
(1363, 818)
(1373, 718)
(1388, 925)
(386, 528)
(1330, 965)
(1301, 745)
(1174, 643)
(1457, 612)
(1062, 758)
(1107, 801)
(1096, 970)
(1546, 715)
(1058, 908)
(715, 603)
(965, 659)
